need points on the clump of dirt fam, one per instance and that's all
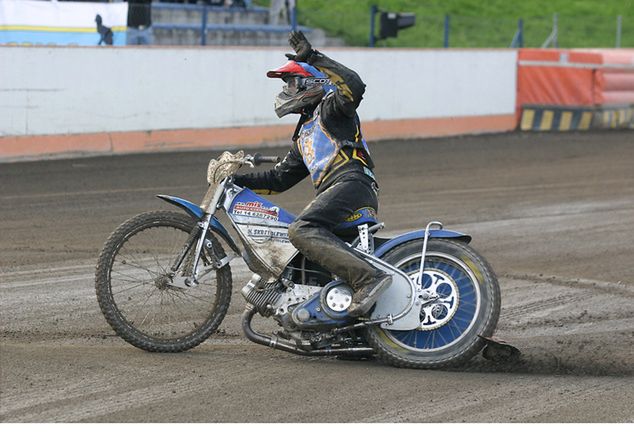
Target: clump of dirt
(573, 356)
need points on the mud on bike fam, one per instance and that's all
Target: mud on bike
(164, 281)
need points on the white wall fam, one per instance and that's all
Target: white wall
(60, 90)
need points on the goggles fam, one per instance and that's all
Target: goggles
(295, 84)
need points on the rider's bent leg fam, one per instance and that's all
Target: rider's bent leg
(311, 234)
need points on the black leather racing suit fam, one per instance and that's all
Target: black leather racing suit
(347, 185)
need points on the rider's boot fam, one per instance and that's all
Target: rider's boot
(330, 252)
(365, 297)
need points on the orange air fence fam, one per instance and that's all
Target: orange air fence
(575, 89)
(548, 77)
(614, 85)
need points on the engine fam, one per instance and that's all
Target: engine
(298, 306)
(276, 298)
(262, 295)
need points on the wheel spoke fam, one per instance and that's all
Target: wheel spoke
(119, 291)
(138, 266)
(446, 320)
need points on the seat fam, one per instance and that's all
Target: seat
(348, 228)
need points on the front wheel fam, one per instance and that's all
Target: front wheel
(144, 300)
(460, 302)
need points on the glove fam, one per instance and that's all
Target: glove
(300, 44)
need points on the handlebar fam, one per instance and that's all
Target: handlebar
(260, 159)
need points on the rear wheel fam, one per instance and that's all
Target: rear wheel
(143, 300)
(460, 302)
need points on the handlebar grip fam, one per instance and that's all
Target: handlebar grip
(259, 159)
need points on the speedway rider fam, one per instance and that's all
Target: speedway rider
(328, 146)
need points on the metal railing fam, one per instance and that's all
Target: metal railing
(543, 32)
(553, 31)
(204, 26)
(432, 31)
(470, 31)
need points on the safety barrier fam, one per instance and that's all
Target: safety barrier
(564, 119)
(545, 118)
(561, 90)
(223, 105)
(614, 118)
(158, 98)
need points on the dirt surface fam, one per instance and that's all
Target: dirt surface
(553, 213)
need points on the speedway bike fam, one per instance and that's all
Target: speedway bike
(164, 281)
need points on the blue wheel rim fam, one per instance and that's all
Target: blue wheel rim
(463, 318)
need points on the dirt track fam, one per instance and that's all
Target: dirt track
(554, 214)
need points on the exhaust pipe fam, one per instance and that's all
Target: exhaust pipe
(291, 347)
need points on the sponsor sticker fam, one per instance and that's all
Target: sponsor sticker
(261, 234)
(255, 209)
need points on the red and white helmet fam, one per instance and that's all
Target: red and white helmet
(304, 89)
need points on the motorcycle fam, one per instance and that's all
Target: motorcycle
(164, 281)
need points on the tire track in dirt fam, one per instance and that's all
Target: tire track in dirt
(572, 327)
(534, 203)
(74, 407)
(491, 404)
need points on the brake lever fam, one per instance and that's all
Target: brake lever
(248, 160)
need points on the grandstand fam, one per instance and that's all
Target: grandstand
(166, 23)
(183, 24)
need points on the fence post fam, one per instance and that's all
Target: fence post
(556, 30)
(373, 10)
(619, 28)
(552, 38)
(446, 36)
(203, 27)
(294, 17)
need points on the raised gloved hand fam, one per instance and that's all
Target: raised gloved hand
(300, 44)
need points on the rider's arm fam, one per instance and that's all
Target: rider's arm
(288, 172)
(349, 86)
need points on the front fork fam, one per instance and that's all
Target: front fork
(203, 225)
(197, 239)
(209, 205)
